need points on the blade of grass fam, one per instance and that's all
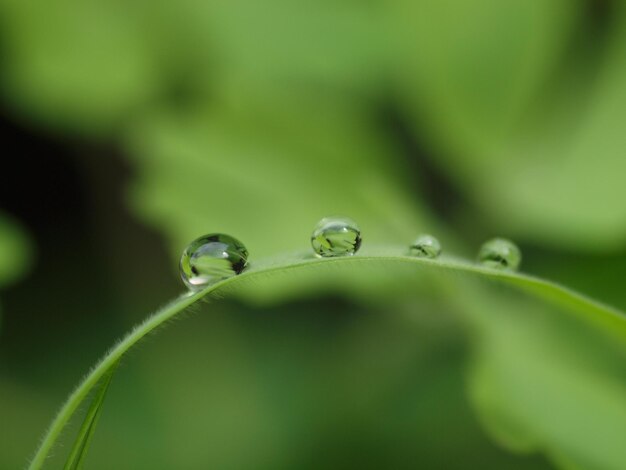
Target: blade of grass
(610, 319)
(85, 434)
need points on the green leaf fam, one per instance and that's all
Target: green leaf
(79, 450)
(490, 87)
(265, 171)
(403, 271)
(83, 66)
(531, 134)
(88, 66)
(469, 69)
(562, 174)
(545, 381)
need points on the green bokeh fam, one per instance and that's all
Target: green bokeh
(464, 119)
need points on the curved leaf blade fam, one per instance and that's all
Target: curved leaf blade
(259, 276)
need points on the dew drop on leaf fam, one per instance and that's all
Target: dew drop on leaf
(211, 258)
(425, 246)
(500, 253)
(336, 236)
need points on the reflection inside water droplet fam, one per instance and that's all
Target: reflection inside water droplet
(425, 246)
(500, 253)
(211, 258)
(336, 236)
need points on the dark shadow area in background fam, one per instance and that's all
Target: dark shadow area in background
(429, 183)
(88, 274)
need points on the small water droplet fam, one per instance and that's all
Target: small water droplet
(336, 236)
(425, 246)
(500, 253)
(211, 258)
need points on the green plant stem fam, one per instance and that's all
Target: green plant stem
(611, 319)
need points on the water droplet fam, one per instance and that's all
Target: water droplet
(336, 236)
(425, 246)
(211, 258)
(500, 253)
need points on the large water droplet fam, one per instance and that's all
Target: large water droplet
(425, 246)
(336, 236)
(211, 258)
(500, 253)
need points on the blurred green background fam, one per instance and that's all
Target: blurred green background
(132, 127)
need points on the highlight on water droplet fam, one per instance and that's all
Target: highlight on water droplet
(211, 258)
(500, 253)
(336, 236)
(425, 246)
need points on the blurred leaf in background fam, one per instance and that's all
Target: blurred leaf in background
(532, 368)
(526, 101)
(16, 253)
(16, 250)
(269, 171)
